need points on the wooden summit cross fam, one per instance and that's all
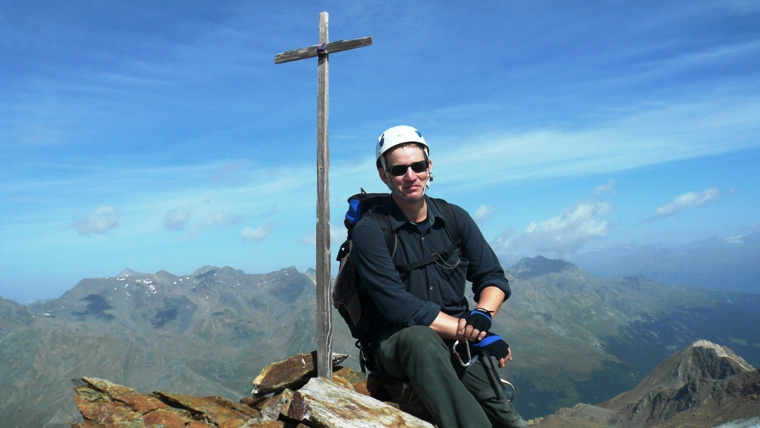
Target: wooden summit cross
(324, 310)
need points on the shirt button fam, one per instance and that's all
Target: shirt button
(431, 287)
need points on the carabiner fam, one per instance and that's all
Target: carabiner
(469, 355)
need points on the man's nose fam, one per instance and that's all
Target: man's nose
(410, 175)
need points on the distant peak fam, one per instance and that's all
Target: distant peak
(539, 265)
(708, 344)
(204, 269)
(128, 272)
(723, 353)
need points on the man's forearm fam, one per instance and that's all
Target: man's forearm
(449, 327)
(491, 299)
(445, 326)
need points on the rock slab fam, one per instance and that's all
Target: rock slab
(291, 373)
(322, 403)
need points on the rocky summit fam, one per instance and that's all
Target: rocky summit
(286, 394)
(702, 385)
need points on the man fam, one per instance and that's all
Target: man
(417, 315)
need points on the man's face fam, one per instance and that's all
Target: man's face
(411, 184)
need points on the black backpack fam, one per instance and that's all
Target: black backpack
(346, 296)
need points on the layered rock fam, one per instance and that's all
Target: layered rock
(287, 394)
(104, 404)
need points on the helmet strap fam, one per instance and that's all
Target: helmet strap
(393, 190)
(389, 184)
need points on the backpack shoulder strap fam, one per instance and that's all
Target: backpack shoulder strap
(451, 220)
(384, 221)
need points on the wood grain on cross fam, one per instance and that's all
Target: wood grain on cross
(324, 310)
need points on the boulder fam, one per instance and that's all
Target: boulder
(291, 373)
(322, 403)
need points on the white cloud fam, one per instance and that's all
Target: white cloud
(101, 220)
(175, 219)
(257, 235)
(686, 201)
(604, 188)
(221, 218)
(337, 236)
(213, 220)
(649, 135)
(562, 235)
(484, 212)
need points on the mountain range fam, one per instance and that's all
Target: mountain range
(713, 263)
(575, 337)
(579, 338)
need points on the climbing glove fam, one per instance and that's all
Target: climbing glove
(480, 319)
(494, 345)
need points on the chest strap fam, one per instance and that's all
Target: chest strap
(430, 259)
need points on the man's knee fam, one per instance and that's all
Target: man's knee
(419, 335)
(420, 338)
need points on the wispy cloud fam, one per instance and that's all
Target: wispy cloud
(686, 201)
(251, 235)
(645, 135)
(101, 220)
(337, 236)
(484, 212)
(175, 219)
(608, 187)
(562, 235)
(214, 220)
(221, 218)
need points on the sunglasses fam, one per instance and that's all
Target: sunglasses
(399, 170)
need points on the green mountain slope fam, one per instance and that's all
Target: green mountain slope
(578, 338)
(208, 333)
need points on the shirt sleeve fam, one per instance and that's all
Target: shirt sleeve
(382, 281)
(484, 269)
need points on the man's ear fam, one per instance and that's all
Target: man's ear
(383, 175)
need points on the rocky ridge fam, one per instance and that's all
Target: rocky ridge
(702, 385)
(286, 394)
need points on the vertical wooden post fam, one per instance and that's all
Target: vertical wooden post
(324, 316)
(324, 308)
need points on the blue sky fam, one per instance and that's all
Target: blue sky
(161, 136)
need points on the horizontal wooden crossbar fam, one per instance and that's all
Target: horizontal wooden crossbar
(312, 51)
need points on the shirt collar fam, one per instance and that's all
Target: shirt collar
(398, 218)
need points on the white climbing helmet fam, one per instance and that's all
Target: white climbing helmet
(401, 134)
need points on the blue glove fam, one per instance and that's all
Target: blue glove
(494, 345)
(480, 319)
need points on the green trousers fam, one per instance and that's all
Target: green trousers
(456, 397)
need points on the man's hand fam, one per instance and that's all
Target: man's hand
(495, 346)
(474, 326)
(503, 362)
